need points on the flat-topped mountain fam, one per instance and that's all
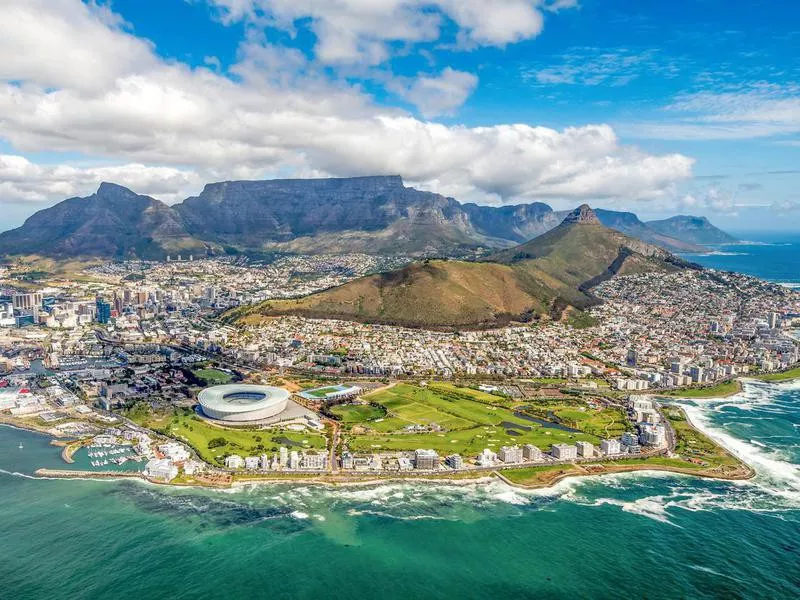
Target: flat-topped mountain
(548, 276)
(696, 230)
(373, 215)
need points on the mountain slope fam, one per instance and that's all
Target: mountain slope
(113, 222)
(541, 277)
(695, 230)
(629, 224)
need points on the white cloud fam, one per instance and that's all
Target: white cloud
(437, 95)
(350, 31)
(757, 110)
(278, 118)
(24, 181)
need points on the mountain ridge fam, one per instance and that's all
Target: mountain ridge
(372, 214)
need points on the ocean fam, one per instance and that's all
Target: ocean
(642, 535)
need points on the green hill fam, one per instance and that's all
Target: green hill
(544, 278)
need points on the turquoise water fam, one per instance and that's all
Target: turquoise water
(638, 536)
(775, 257)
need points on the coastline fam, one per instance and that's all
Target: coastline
(551, 475)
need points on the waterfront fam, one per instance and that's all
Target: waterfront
(594, 537)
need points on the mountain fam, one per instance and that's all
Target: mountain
(696, 230)
(372, 215)
(551, 275)
(629, 224)
(113, 222)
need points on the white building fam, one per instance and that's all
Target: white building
(174, 451)
(234, 461)
(531, 452)
(564, 452)
(487, 458)
(652, 435)
(317, 462)
(510, 454)
(610, 447)
(252, 462)
(454, 461)
(585, 449)
(294, 459)
(161, 468)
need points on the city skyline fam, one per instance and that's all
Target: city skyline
(658, 111)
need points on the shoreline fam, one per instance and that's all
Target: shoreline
(570, 470)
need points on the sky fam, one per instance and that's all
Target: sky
(660, 108)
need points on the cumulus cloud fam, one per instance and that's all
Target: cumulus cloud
(437, 95)
(277, 120)
(24, 181)
(351, 31)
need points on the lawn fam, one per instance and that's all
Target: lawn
(245, 442)
(725, 388)
(470, 424)
(604, 422)
(213, 376)
(321, 392)
(358, 413)
(784, 376)
(692, 444)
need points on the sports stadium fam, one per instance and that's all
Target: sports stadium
(241, 402)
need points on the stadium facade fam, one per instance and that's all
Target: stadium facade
(239, 403)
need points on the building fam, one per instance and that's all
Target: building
(510, 454)
(265, 462)
(27, 302)
(316, 462)
(283, 456)
(564, 452)
(240, 402)
(294, 459)
(585, 449)
(103, 311)
(697, 374)
(531, 452)
(426, 460)
(234, 461)
(174, 451)
(652, 434)
(487, 458)
(161, 468)
(610, 447)
(347, 460)
(252, 463)
(454, 461)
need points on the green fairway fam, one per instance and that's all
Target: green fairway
(469, 423)
(358, 413)
(608, 422)
(213, 376)
(213, 443)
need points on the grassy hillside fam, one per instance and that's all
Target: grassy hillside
(541, 278)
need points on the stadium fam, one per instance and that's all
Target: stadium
(241, 403)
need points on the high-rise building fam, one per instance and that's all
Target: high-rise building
(103, 314)
(454, 461)
(426, 460)
(27, 301)
(564, 452)
(585, 449)
(531, 452)
(510, 454)
(610, 447)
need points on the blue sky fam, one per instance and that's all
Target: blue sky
(688, 107)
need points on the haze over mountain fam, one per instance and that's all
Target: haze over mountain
(697, 230)
(551, 275)
(374, 215)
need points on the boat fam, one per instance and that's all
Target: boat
(20, 446)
